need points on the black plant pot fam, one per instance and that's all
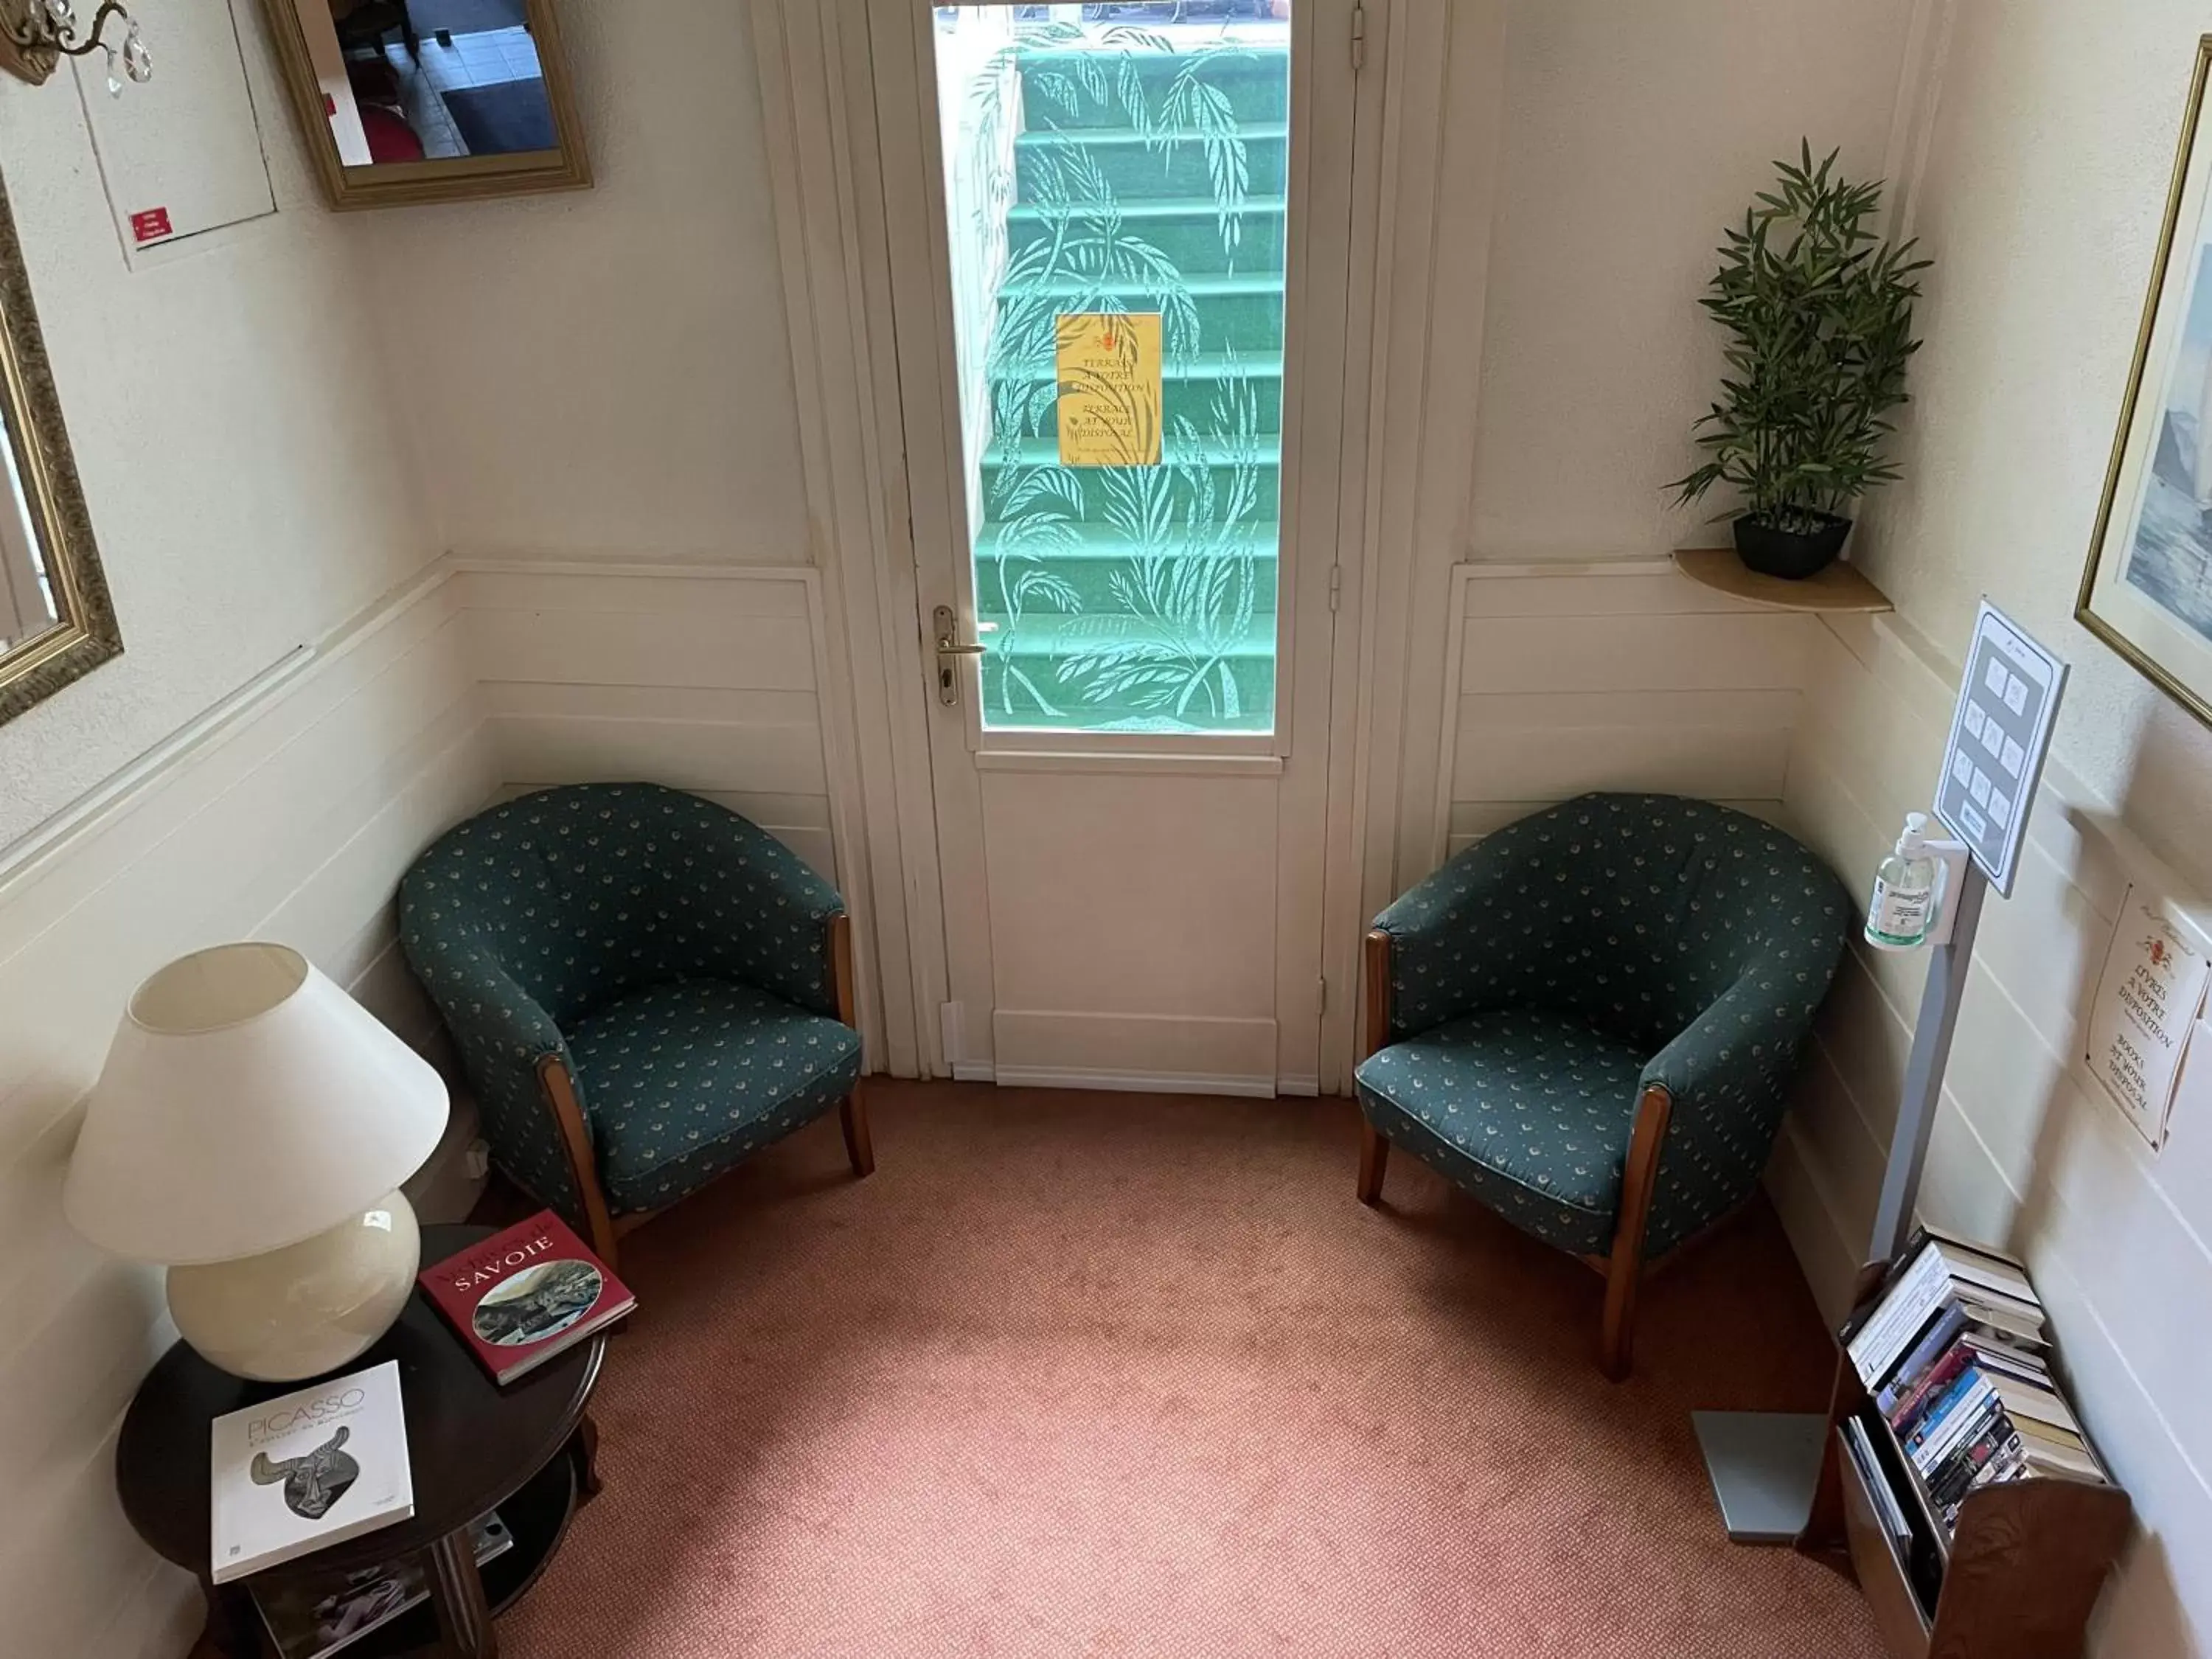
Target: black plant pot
(1790, 554)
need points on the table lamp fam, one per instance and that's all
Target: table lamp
(250, 1132)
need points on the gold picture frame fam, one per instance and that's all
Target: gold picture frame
(84, 635)
(2147, 589)
(454, 178)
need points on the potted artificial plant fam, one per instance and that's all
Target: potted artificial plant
(1819, 318)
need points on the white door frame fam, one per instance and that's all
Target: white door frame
(1438, 164)
(823, 147)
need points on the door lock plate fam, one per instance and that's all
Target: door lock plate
(945, 627)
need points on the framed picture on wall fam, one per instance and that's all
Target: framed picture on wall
(2147, 590)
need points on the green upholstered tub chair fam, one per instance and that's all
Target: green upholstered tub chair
(1590, 1018)
(645, 988)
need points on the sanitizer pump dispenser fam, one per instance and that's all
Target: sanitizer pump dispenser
(1902, 907)
(1907, 909)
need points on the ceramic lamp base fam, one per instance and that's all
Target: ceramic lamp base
(308, 1308)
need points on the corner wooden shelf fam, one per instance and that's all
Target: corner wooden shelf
(1838, 590)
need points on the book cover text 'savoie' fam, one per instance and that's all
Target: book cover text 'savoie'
(526, 1294)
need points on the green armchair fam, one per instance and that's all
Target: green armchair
(645, 988)
(1590, 1019)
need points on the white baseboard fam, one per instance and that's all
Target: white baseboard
(1160, 1083)
(1236, 1056)
(1144, 1082)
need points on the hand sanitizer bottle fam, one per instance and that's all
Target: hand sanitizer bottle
(1902, 907)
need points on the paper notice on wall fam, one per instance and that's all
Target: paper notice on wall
(2147, 1001)
(1109, 388)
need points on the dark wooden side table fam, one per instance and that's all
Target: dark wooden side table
(527, 1450)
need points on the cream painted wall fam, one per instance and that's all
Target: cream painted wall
(230, 411)
(2052, 145)
(606, 372)
(232, 418)
(1631, 135)
(2042, 197)
(290, 819)
(1593, 153)
(2026, 1150)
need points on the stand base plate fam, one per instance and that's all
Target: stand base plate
(1764, 1468)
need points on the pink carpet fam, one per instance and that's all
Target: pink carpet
(1079, 1374)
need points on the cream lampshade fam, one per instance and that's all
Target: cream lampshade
(250, 1132)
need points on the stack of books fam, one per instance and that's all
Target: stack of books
(1955, 1363)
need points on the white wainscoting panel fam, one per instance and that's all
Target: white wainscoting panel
(289, 814)
(2027, 1153)
(1622, 674)
(706, 679)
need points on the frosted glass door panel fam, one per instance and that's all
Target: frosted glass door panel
(1104, 162)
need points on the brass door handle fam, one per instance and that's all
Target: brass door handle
(947, 627)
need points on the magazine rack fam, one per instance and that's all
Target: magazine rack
(2017, 1579)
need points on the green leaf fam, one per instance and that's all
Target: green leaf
(1818, 315)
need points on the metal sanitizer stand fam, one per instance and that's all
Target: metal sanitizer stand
(1765, 1465)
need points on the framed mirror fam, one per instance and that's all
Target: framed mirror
(56, 623)
(430, 101)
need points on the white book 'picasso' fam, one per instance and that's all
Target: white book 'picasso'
(307, 1470)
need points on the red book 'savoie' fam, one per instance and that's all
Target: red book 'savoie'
(526, 1295)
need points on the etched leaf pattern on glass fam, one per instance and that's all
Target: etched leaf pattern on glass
(1097, 166)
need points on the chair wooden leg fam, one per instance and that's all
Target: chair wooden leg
(1374, 1151)
(1617, 1337)
(860, 1147)
(1374, 1160)
(1639, 1179)
(560, 1099)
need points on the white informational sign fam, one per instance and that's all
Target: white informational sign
(2147, 1001)
(2000, 732)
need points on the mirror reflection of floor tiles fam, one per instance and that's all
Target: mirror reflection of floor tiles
(456, 62)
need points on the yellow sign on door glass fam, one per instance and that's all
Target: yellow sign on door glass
(1109, 388)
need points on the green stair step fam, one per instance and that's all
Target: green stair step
(1091, 481)
(1093, 588)
(1226, 284)
(1205, 366)
(1132, 168)
(1150, 208)
(1106, 137)
(1187, 230)
(1255, 78)
(1206, 451)
(1022, 663)
(1236, 313)
(1051, 635)
(1098, 545)
(1190, 389)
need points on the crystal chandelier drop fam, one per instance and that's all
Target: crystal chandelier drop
(42, 31)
